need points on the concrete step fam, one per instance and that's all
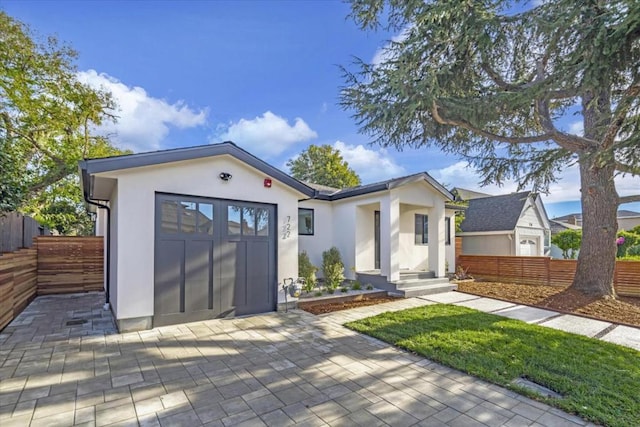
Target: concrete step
(418, 275)
(412, 283)
(426, 290)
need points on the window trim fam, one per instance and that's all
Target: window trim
(313, 222)
(422, 234)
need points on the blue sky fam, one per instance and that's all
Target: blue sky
(261, 73)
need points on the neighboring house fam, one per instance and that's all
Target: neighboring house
(626, 219)
(557, 227)
(512, 224)
(463, 195)
(210, 231)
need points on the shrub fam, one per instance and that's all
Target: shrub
(318, 294)
(331, 291)
(462, 273)
(332, 268)
(369, 287)
(344, 289)
(569, 242)
(633, 251)
(626, 240)
(356, 286)
(307, 271)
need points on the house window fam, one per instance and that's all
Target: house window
(422, 229)
(305, 222)
(447, 230)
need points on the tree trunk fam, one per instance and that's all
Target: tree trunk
(597, 258)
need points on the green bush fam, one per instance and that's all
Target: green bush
(332, 268)
(626, 240)
(634, 251)
(569, 242)
(369, 287)
(344, 289)
(356, 286)
(307, 271)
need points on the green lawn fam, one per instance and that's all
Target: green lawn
(599, 381)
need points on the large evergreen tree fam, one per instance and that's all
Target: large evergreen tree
(324, 165)
(489, 80)
(46, 122)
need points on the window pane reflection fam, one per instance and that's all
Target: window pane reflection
(205, 218)
(248, 222)
(262, 216)
(233, 220)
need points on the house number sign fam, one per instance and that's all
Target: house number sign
(286, 228)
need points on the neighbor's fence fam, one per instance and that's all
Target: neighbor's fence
(55, 265)
(18, 231)
(18, 282)
(546, 271)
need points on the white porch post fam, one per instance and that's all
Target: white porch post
(436, 239)
(390, 236)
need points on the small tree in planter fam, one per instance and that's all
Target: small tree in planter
(307, 271)
(332, 268)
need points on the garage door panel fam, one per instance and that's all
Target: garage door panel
(258, 277)
(168, 276)
(227, 263)
(198, 275)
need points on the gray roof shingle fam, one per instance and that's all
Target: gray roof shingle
(496, 213)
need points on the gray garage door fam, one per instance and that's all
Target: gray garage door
(213, 258)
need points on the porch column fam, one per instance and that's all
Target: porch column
(436, 239)
(390, 236)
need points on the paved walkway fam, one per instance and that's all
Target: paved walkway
(276, 369)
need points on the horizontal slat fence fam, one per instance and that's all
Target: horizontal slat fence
(55, 265)
(545, 271)
(18, 283)
(69, 264)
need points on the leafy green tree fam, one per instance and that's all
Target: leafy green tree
(324, 165)
(46, 122)
(488, 80)
(569, 242)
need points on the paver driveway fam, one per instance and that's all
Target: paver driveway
(276, 369)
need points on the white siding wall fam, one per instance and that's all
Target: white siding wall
(530, 226)
(113, 269)
(450, 249)
(323, 232)
(412, 256)
(134, 217)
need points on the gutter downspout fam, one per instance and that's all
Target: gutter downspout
(108, 284)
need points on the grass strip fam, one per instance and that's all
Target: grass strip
(599, 381)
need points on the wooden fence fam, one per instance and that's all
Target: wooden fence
(545, 271)
(18, 231)
(69, 264)
(55, 265)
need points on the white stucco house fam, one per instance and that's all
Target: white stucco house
(510, 224)
(210, 231)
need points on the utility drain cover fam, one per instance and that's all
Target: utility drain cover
(537, 388)
(76, 322)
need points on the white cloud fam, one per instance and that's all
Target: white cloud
(143, 121)
(370, 165)
(577, 128)
(267, 135)
(462, 175)
(567, 188)
(383, 54)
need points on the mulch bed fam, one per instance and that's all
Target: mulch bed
(321, 308)
(620, 310)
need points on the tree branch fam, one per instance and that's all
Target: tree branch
(629, 199)
(620, 113)
(622, 167)
(495, 137)
(512, 87)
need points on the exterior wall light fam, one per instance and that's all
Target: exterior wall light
(225, 176)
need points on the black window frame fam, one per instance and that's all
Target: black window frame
(447, 230)
(421, 231)
(313, 221)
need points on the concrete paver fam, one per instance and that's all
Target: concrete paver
(577, 325)
(273, 369)
(488, 305)
(624, 335)
(526, 313)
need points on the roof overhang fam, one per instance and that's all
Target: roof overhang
(100, 189)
